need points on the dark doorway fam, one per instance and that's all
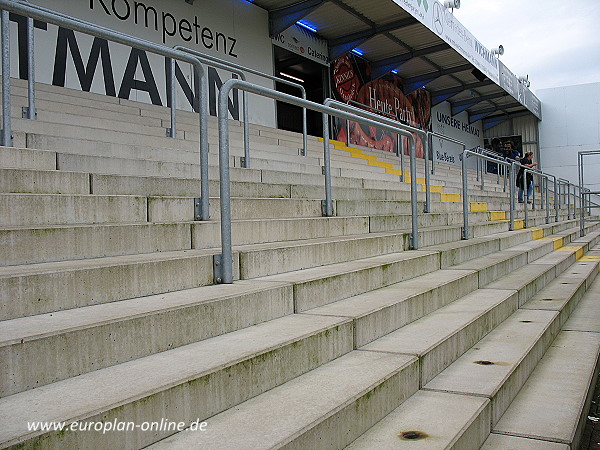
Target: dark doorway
(314, 78)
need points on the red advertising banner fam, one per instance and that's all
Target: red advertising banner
(352, 84)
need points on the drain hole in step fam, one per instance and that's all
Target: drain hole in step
(484, 363)
(412, 435)
(526, 321)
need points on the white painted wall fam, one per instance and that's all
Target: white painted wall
(571, 123)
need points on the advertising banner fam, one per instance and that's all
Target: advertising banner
(511, 84)
(442, 22)
(227, 29)
(456, 127)
(303, 42)
(352, 84)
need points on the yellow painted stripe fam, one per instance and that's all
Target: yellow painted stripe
(381, 164)
(558, 241)
(578, 249)
(478, 206)
(393, 171)
(497, 215)
(519, 224)
(332, 141)
(436, 189)
(450, 197)
(591, 259)
(359, 156)
(537, 233)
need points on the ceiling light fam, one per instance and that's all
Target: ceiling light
(307, 26)
(291, 77)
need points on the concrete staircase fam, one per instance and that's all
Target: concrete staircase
(113, 334)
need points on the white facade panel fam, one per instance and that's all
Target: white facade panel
(232, 30)
(571, 124)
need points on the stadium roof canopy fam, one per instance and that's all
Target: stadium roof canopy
(390, 38)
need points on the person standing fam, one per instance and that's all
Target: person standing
(527, 161)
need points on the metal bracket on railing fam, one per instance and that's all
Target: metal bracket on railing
(243, 162)
(198, 209)
(218, 268)
(25, 113)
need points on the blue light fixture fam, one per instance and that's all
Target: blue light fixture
(307, 26)
(395, 71)
(357, 52)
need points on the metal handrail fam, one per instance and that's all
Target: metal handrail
(580, 166)
(224, 261)
(465, 155)
(240, 70)
(35, 12)
(512, 165)
(396, 124)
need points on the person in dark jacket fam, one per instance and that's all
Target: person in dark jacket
(527, 161)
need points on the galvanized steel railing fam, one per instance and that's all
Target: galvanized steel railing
(584, 192)
(240, 70)
(512, 167)
(224, 261)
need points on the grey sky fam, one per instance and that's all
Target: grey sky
(555, 42)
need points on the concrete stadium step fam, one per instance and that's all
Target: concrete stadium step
(503, 442)
(553, 403)
(214, 374)
(497, 366)
(54, 286)
(564, 293)
(431, 421)
(23, 158)
(28, 344)
(443, 335)
(384, 310)
(60, 243)
(321, 285)
(50, 209)
(28, 245)
(330, 407)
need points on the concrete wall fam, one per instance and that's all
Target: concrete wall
(571, 123)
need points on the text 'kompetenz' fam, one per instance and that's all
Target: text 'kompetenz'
(166, 24)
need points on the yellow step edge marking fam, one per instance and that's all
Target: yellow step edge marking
(578, 249)
(591, 258)
(478, 206)
(381, 164)
(537, 233)
(433, 188)
(450, 197)
(393, 171)
(519, 224)
(331, 141)
(498, 215)
(558, 241)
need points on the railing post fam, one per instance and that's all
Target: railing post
(31, 110)
(172, 98)
(327, 209)
(547, 201)
(225, 273)
(6, 124)
(427, 177)
(512, 189)
(413, 196)
(465, 186)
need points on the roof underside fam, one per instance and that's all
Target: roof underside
(391, 38)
